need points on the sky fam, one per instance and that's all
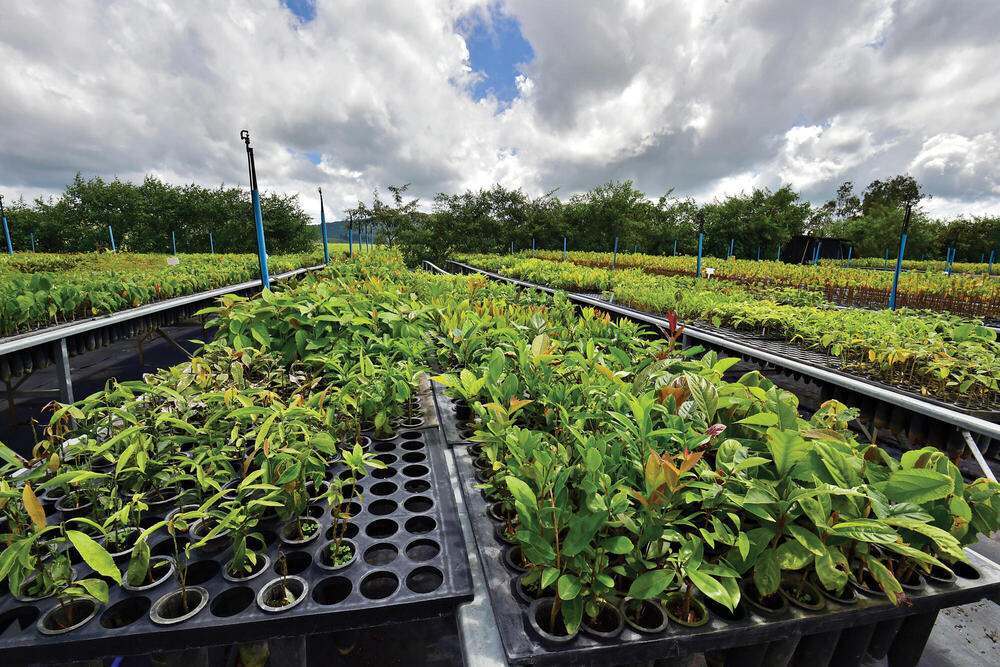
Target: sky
(708, 98)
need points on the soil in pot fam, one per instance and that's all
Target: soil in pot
(771, 605)
(695, 615)
(607, 624)
(866, 584)
(514, 558)
(803, 594)
(528, 594)
(550, 631)
(250, 571)
(723, 612)
(299, 531)
(120, 545)
(847, 596)
(644, 615)
(171, 608)
(199, 529)
(72, 506)
(68, 616)
(282, 593)
(333, 556)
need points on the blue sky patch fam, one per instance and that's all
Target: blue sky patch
(305, 10)
(496, 48)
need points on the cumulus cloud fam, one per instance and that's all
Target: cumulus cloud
(708, 98)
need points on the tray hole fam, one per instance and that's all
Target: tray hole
(418, 504)
(383, 447)
(421, 550)
(315, 510)
(410, 435)
(420, 524)
(201, 571)
(126, 612)
(412, 445)
(384, 489)
(349, 476)
(417, 485)
(387, 459)
(384, 473)
(23, 616)
(269, 537)
(383, 507)
(424, 579)
(964, 570)
(332, 590)
(379, 585)
(351, 490)
(381, 554)
(415, 470)
(350, 509)
(414, 457)
(163, 548)
(350, 531)
(295, 561)
(232, 601)
(382, 528)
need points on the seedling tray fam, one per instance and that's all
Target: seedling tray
(412, 564)
(840, 634)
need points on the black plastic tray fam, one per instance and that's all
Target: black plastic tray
(806, 635)
(428, 576)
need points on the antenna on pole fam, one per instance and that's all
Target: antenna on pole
(265, 278)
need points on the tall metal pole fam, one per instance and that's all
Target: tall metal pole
(265, 278)
(564, 248)
(990, 267)
(951, 258)
(614, 258)
(211, 242)
(173, 241)
(532, 247)
(6, 232)
(779, 253)
(758, 253)
(322, 223)
(675, 247)
(32, 234)
(701, 236)
(899, 260)
(886, 259)
(731, 243)
(111, 233)
(850, 251)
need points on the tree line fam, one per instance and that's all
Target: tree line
(143, 216)
(498, 218)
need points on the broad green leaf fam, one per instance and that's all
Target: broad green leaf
(650, 584)
(569, 587)
(618, 545)
(917, 485)
(94, 555)
(711, 587)
(767, 572)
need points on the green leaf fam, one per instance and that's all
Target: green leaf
(806, 538)
(650, 584)
(786, 448)
(94, 555)
(866, 530)
(138, 564)
(832, 577)
(549, 575)
(917, 485)
(96, 588)
(581, 532)
(711, 587)
(618, 545)
(793, 556)
(767, 572)
(572, 613)
(760, 419)
(569, 587)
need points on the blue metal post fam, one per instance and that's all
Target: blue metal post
(350, 242)
(111, 233)
(6, 231)
(990, 267)
(850, 251)
(614, 258)
(173, 241)
(731, 242)
(532, 247)
(265, 277)
(982, 258)
(951, 258)
(512, 247)
(701, 236)
(886, 258)
(899, 259)
(635, 248)
(322, 223)
(816, 253)
(779, 254)
(211, 242)
(32, 234)
(758, 253)
(675, 247)
(564, 248)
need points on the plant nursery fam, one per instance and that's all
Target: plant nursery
(542, 449)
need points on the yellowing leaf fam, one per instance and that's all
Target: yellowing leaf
(33, 507)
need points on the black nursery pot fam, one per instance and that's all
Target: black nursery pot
(272, 591)
(650, 619)
(525, 595)
(848, 596)
(539, 616)
(324, 561)
(162, 573)
(815, 601)
(56, 621)
(290, 534)
(513, 558)
(608, 623)
(700, 610)
(68, 512)
(462, 410)
(940, 576)
(169, 609)
(263, 562)
(200, 529)
(773, 605)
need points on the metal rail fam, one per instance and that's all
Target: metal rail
(49, 334)
(953, 417)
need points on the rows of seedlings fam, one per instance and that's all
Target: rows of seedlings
(282, 482)
(629, 503)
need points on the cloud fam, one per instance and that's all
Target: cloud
(708, 98)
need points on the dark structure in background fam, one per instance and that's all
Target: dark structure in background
(801, 249)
